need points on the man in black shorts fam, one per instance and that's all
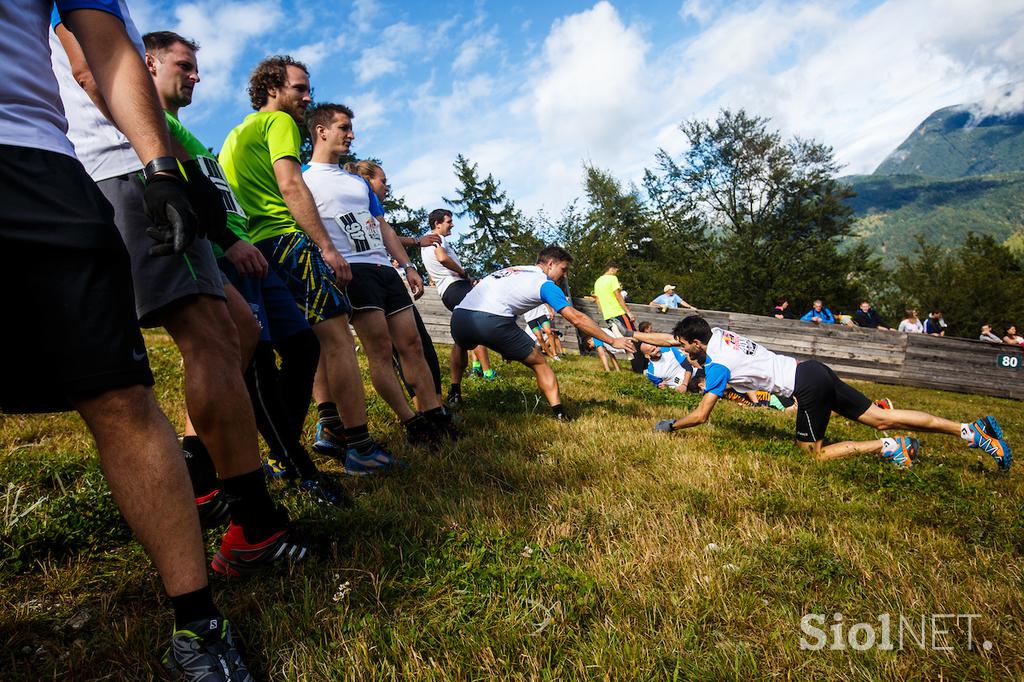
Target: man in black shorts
(729, 358)
(381, 305)
(71, 338)
(184, 293)
(447, 274)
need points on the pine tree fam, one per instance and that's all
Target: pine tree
(498, 234)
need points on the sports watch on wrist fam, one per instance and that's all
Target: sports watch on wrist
(162, 164)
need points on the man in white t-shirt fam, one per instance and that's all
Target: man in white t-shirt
(71, 338)
(729, 358)
(381, 305)
(667, 367)
(487, 316)
(446, 273)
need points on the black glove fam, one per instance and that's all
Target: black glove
(208, 203)
(174, 222)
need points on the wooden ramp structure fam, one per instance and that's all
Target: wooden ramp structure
(888, 357)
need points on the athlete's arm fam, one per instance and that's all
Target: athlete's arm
(394, 246)
(302, 206)
(582, 321)
(655, 338)
(444, 259)
(429, 239)
(121, 79)
(699, 415)
(80, 68)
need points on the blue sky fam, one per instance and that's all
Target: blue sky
(533, 90)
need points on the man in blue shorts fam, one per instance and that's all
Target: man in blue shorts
(729, 358)
(487, 317)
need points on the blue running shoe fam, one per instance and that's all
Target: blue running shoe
(378, 461)
(905, 453)
(988, 436)
(490, 375)
(327, 490)
(274, 467)
(328, 442)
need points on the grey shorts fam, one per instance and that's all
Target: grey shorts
(158, 280)
(472, 328)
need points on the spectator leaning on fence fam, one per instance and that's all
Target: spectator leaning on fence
(866, 316)
(1012, 337)
(911, 324)
(819, 314)
(987, 335)
(935, 325)
(781, 310)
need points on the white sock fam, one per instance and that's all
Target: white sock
(967, 432)
(889, 445)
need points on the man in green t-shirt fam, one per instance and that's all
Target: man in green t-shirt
(270, 318)
(261, 162)
(608, 293)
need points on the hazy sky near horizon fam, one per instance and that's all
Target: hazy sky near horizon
(533, 90)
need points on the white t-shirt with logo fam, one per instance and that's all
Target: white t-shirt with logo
(100, 146)
(31, 112)
(746, 365)
(349, 210)
(441, 276)
(671, 367)
(513, 291)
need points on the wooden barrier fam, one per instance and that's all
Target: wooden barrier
(948, 364)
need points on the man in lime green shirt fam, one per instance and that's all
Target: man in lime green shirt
(608, 293)
(261, 162)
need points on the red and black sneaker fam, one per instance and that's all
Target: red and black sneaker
(213, 509)
(237, 557)
(884, 403)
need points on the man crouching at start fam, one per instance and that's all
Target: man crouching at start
(729, 358)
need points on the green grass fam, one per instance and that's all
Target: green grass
(539, 550)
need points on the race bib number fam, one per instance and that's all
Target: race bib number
(362, 230)
(211, 169)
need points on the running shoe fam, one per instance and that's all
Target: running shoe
(327, 489)
(274, 467)
(556, 358)
(237, 557)
(213, 509)
(904, 454)
(444, 426)
(884, 403)
(476, 370)
(419, 431)
(328, 442)
(379, 460)
(988, 436)
(453, 400)
(563, 417)
(204, 651)
(490, 375)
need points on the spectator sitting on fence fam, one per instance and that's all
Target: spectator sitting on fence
(1012, 337)
(607, 359)
(935, 325)
(868, 317)
(670, 299)
(911, 324)
(781, 310)
(667, 367)
(819, 314)
(987, 335)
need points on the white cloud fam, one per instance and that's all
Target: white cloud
(385, 58)
(363, 13)
(696, 10)
(370, 110)
(475, 47)
(313, 54)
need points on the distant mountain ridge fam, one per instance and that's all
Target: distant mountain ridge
(961, 170)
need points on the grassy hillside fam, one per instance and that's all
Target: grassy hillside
(539, 550)
(892, 209)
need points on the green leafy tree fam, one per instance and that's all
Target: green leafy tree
(498, 234)
(773, 209)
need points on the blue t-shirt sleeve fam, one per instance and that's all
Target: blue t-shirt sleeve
(553, 295)
(65, 6)
(376, 209)
(715, 378)
(680, 357)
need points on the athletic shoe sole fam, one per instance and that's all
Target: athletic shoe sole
(1000, 450)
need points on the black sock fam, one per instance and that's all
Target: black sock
(358, 437)
(558, 410)
(456, 389)
(193, 606)
(327, 414)
(201, 470)
(250, 505)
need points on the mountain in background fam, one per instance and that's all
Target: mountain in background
(960, 171)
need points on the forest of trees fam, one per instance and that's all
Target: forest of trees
(741, 217)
